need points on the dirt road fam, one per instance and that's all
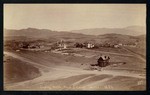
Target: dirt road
(72, 78)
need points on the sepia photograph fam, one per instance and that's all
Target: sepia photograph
(74, 47)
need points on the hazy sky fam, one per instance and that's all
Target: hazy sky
(73, 16)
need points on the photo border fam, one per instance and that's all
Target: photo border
(2, 92)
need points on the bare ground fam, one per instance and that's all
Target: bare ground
(67, 72)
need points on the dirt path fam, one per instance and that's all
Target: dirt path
(64, 72)
(71, 69)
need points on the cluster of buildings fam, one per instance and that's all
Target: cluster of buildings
(90, 45)
(84, 45)
(29, 45)
(65, 45)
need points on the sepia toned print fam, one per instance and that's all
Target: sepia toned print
(90, 47)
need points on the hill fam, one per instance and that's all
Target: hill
(41, 33)
(131, 30)
(117, 38)
(53, 36)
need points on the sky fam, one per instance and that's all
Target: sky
(66, 17)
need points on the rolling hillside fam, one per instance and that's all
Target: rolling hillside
(131, 30)
(41, 33)
(53, 36)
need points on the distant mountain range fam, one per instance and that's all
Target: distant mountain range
(98, 35)
(40, 33)
(131, 30)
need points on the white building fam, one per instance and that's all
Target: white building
(90, 45)
(65, 46)
(116, 46)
